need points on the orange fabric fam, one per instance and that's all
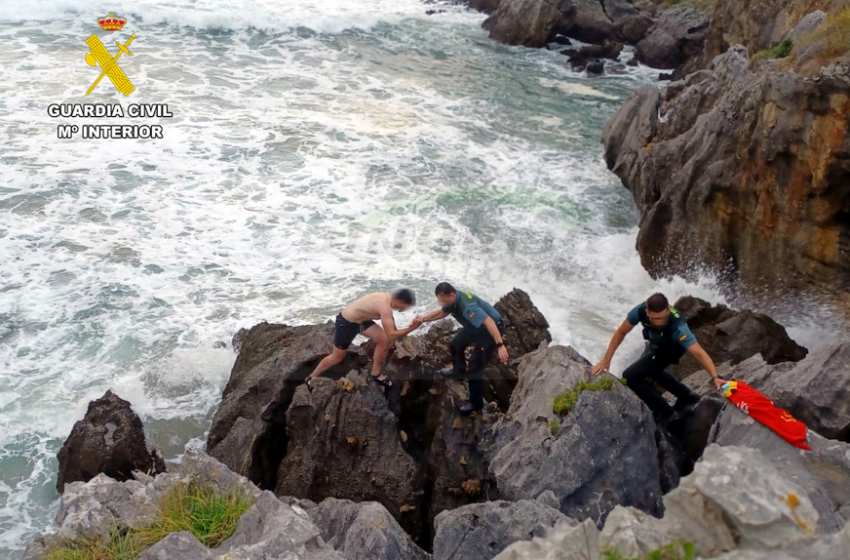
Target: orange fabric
(762, 409)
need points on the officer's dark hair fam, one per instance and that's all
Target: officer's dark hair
(657, 303)
(444, 289)
(405, 295)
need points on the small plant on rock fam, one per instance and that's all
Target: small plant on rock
(565, 401)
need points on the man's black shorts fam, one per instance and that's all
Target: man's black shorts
(345, 331)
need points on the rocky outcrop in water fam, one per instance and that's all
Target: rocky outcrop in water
(676, 40)
(733, 336)
(406, 448)
(533, 23)
(110, 439)
(743, 171)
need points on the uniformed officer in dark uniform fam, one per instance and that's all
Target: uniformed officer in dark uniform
(482, 326)
(668, 339)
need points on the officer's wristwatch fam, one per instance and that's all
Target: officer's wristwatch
(499, 344)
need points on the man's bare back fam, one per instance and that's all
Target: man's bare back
(370, 306)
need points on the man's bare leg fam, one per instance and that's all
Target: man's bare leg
(329, 361)
(382, 349)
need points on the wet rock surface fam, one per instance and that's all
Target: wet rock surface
(110, 439)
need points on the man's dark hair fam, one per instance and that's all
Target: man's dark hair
(405, 295)
(657, 303)
(444, 289)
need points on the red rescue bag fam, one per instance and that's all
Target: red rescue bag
(762, 409)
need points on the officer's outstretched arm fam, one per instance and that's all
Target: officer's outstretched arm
(621, 332)
(435, 315)
(699, 353)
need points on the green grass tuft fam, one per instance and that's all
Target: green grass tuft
(209, 515)
(554, 427)
(565, 401)
(677, 550)
(782, 50)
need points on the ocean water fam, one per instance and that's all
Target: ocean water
(318, 150)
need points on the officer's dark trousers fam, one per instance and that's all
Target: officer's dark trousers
(651, 365)
(485, 349)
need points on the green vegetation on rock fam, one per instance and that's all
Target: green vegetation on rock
(782, 50)
(827, 41)
(565, 401)
(677, 550)
(554, 427)
(201, 510)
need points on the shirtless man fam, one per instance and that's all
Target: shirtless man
(358, 317)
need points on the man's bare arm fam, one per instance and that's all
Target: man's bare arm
(620, 334)
(388, 322)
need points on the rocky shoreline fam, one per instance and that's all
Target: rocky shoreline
(350, 472)
(741, 165)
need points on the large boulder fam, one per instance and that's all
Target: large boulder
(823, 474)
(344, 442)
(815, 390)
(532, 23)
(743, 172)
(603, 453)
(735, 498)
(110, 439)
(733, 336)
(248, 432)
(364, 531)
(675, 40)
(481, 531)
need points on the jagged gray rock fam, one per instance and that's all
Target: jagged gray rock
(823, 474)
(110, 439)
(273, 529)
(248, 429)
(675, 40)
(269, 529)
(178, 545)
(481, 531)
(347, 444)
(604, 453)
(562, 543)
(364, 531)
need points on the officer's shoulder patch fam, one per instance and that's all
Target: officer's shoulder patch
(471, 314)
(674, 312)
(683, 337)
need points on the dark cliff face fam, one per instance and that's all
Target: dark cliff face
(747, 172)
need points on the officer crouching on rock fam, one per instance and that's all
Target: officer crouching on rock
(668, 339)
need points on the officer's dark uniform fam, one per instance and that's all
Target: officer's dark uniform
(471, 312)
(665, 346)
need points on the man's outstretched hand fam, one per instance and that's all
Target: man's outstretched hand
(416, 322)
(719, 383)
(503, 354)
(600, 367)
